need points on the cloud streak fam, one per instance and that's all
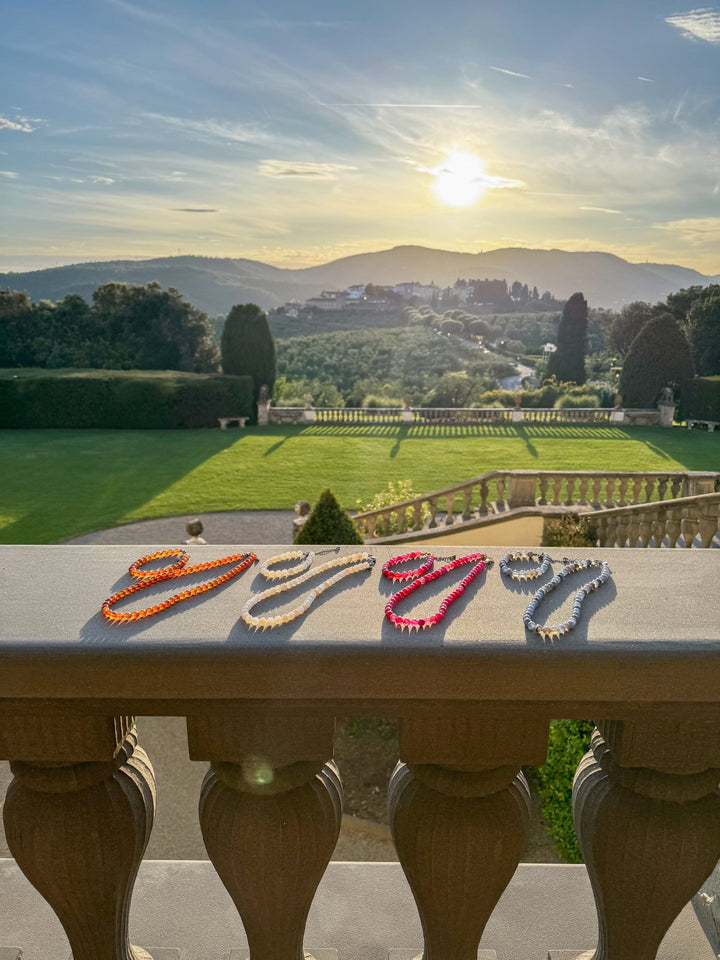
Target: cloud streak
(700, 24)
(21, 124)
(212, 129)
(511, 73)
(196, 209)
(302, 170)
(9, 174)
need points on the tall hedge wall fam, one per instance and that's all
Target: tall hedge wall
(699, 399)
(121, 399)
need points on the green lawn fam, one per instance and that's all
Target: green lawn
(61, 483)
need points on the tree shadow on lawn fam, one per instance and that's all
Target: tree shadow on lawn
(693, 450)
(103, 479)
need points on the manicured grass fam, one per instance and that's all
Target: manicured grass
(61, 483)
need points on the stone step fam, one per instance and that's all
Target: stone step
(362, 911)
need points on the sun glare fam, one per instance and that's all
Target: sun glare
(460, 180)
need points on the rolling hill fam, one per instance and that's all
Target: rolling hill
(215, 285)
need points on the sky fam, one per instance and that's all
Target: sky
(298, 133)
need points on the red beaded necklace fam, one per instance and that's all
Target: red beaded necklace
(391, 574)
(479, 559)
(147, 578)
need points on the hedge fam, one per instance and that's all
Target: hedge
(569, 741)
(120, 399)
(699, 399)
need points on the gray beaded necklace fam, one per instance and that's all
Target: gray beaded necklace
(571, 566)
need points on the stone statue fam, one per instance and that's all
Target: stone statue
(194, 528)
(302, 509)
(666, 395)
(263, 395)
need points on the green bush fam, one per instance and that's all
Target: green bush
(570, 530)
(569, 740)
(121, 399)
(578, 400)
(395, 492)
(699, 399)
(659, 355)
(328, 523)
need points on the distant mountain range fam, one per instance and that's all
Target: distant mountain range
(214, 285)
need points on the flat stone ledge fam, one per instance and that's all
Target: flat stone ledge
(417, 954)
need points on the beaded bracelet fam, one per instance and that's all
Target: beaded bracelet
(362, 561)
(147, 578)
(306, 560)
(571, 566)
(531, 574)
(391, 574)
(479, 559)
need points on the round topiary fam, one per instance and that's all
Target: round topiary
(328, 523)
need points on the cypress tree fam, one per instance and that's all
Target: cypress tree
(568, 361)
(659, 355)
(328, 523)
(247, 346)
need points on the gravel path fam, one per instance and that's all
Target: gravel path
(239, 526)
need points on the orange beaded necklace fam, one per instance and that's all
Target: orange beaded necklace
(147, 578)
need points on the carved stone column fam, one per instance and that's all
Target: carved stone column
(78, 831)
(647, 814)
(459, 812)
(270, 813)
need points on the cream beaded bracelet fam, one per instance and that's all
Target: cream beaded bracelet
(361, 561)
(306, 560)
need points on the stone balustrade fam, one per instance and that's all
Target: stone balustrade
(474, 696)
(419, 416)
(694, 520)
(501, 491)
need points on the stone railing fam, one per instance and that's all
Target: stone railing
(501, 491)
(695, 520)
(456, 415)
(474, 697)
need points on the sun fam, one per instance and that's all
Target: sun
(460, 179)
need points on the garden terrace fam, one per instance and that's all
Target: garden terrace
(474, 696)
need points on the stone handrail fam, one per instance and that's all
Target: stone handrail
(474, 697)
(661, 523)
(457, 415)
(502, 490)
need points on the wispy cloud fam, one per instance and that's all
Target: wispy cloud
(22, 124)
(645, 79)
(693, 230)
(511, 73)
(196, 209)
(212, 129)
(600, 209)
(700, 24)
(90, 179)
(411, 106)
(9, 174)
(300, 169)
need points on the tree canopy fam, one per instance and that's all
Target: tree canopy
(659, 356)
(627, 325)
(126, 327)
(703, 326)
(247, 346)
(568, 361)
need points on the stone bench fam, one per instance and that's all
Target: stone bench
(710, 424)
(224, 421)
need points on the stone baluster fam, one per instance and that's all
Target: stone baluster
(637, 487)
(500, 487)
(602, 531)
(690, 524)
(371, 524)
(432, 503)
(609, 491)
(385, 522)
(467, 503)
(450, 509)
(78, 816)
(649, 487)
(543, 489)
(459, 809)
(623, 530)
(417, 515)
(270, 812)
(612, 530)
(557, 484)
(634, 519)
(673, 525)
(401, 514)
(569, 491)
(662, 487)
(659, 529)
(676, 487)
(596, 484)
(647, 814)
(708, 523)
(584, 482)
(622, 490)
(484, 491)
(645, 525)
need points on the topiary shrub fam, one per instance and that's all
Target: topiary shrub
(328, 523)
(659, 355)
(699, 399)
(569, 740)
